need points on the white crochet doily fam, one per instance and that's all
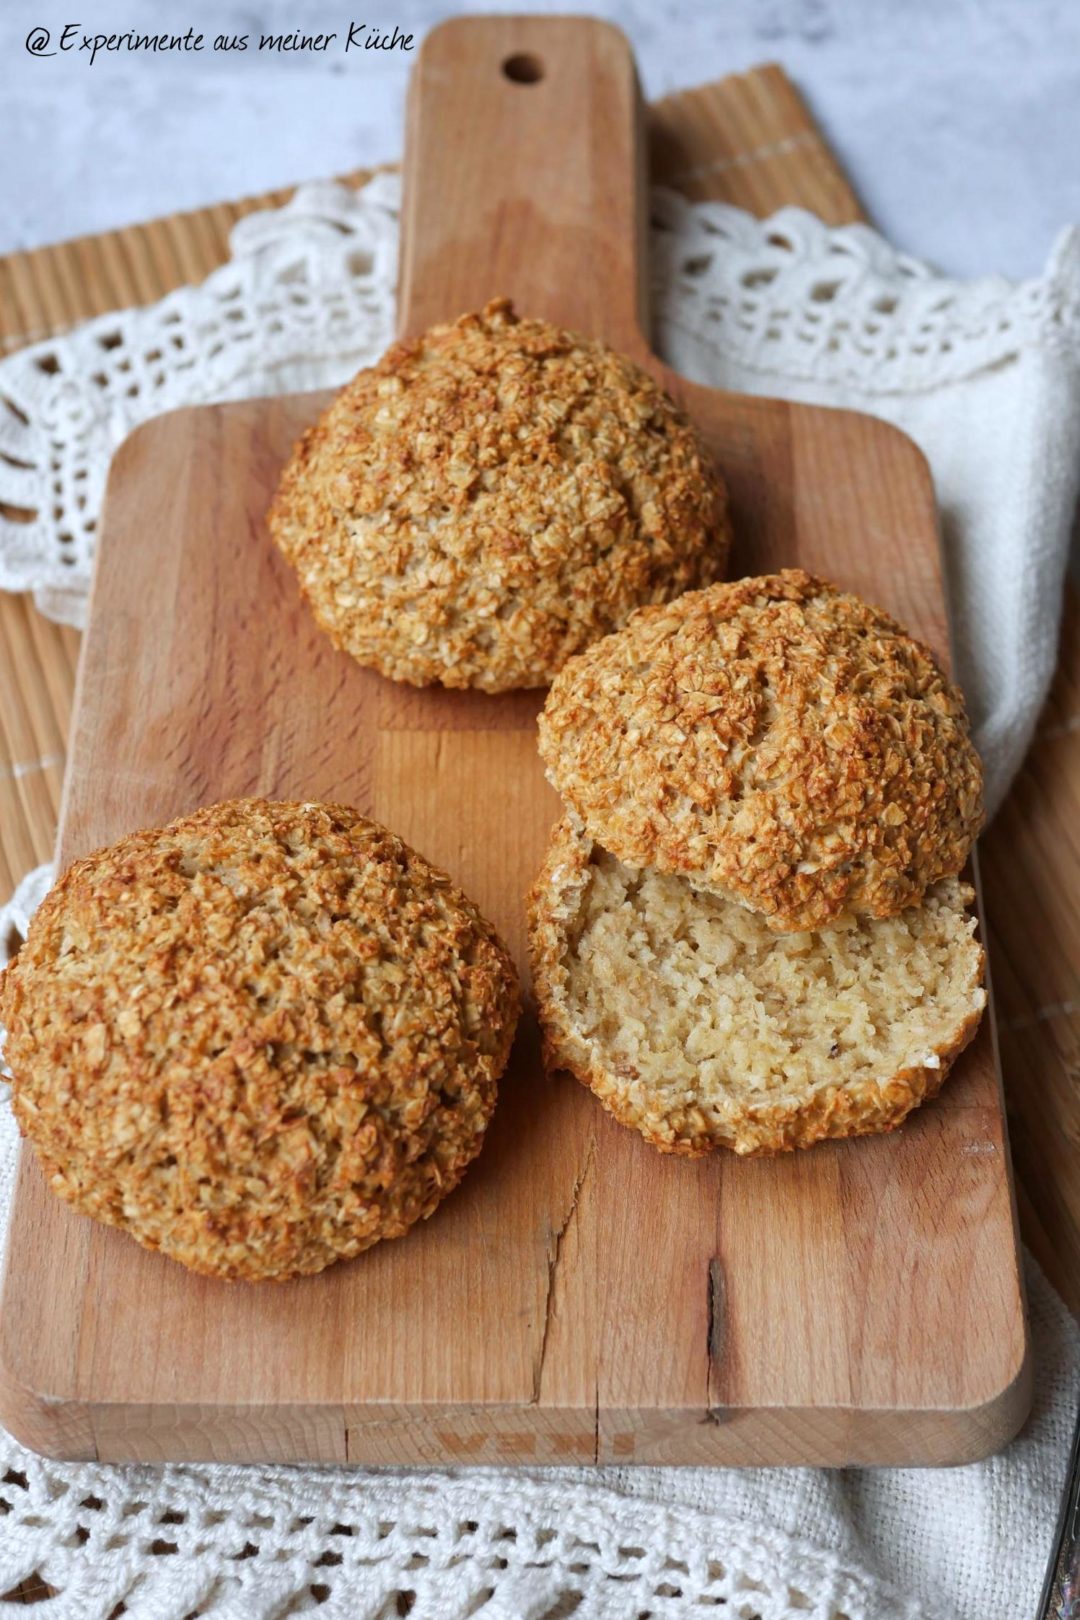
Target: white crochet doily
(985, 376)
(307, 297)
(250, 1544)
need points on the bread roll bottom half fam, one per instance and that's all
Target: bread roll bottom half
(700, 1027)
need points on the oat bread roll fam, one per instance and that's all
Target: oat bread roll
(259, 1039)
(492, 497)
(699, 1027)
(775, 740)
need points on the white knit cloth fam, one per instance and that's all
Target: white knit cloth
(985, 376)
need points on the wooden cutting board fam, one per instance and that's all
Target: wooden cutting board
(581, 1298)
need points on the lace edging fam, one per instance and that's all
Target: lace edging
(792, 297)
(310, 285)
(265, 1542)
(308, 296)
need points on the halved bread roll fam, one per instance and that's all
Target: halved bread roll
(699, 1026)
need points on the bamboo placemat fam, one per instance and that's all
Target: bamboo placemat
(747, 140)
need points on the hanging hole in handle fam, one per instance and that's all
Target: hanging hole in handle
(523, 68)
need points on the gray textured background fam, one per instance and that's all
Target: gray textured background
(959, 120)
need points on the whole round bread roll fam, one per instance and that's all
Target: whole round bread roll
(259, 1039)
(699, 1027)
(777, 741)
(492, 497)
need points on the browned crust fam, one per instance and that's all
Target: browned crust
(492, 497)
(778, 740)
(260, 1039)
(830, 1112)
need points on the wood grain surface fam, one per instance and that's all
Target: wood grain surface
(580, 1297)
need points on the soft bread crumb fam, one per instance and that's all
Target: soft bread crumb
(702, 1028)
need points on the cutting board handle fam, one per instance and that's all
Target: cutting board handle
(525, 175)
